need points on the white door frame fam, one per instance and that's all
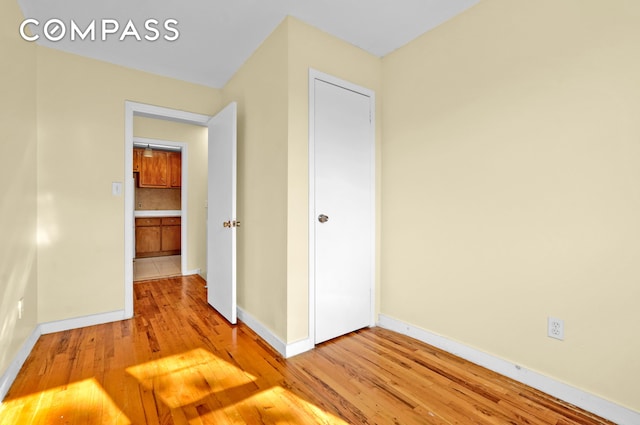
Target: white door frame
(157, 112)
(317, 75)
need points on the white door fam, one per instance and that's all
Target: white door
(221, 213)
(343, 217)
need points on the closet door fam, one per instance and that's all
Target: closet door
(343, 218)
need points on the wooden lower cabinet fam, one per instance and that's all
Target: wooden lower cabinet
(158, 236)
(171, 236)
(147, 240)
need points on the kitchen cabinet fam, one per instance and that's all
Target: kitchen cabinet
(154, 170)
(175, 169)
(171, 234)
(147, 236)
(158, 236)
(162, 170)
(137, 158)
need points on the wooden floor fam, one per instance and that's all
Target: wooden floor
(177, 362)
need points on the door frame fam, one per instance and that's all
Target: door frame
(150, 111)
(318, 75)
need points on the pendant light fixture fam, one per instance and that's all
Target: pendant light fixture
(148, 153)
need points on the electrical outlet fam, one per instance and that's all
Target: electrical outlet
(20, 308)
(555, 328)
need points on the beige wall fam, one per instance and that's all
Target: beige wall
(80, 152)
(18, 195)
(511, 174)
(272, 94)
(196, 139)
(260, 88)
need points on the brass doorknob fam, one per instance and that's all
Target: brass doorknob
(323, 218)
(227, 224)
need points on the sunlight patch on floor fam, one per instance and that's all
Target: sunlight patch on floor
(199, 378)
(189, 377)
(89, 402)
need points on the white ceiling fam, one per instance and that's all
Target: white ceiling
(217, 36)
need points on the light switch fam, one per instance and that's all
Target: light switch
(116, 188)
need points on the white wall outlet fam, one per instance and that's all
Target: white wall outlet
(20, 308)
(555, 328)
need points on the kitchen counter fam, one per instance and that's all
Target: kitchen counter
(157, 213)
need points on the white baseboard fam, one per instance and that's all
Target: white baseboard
(285, 350)
(81, 322)
(192, 272)
(11, 373)
(299, 347)
(46, 328)
(589, 402)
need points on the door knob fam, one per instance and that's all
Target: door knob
(323, 218)
(227, 224)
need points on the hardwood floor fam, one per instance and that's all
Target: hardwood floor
(177, 362)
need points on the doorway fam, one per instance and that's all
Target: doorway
(156, 112)
(342, 207)
(160, 172)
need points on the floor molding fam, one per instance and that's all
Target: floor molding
(285, 350)
(13, 369)
(599, 406)
(6, 380)
(81, 322)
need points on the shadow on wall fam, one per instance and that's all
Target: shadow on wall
(17, 258)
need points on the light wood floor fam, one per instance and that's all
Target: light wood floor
(177, 361)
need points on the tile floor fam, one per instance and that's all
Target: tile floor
(156, 267)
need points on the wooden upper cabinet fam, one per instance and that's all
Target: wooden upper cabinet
(154, 170)
(162, 170)
(137, 157)
(175, 169)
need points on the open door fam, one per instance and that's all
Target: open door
(221, 213)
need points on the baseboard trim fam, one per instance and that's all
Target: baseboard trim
(299, 347)
(81, 322)
(6, 380)
(285, 350)
(599, 406)
(13, 369)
